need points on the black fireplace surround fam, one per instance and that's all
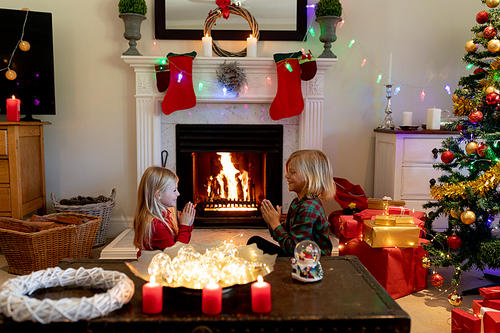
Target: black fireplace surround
(260, 139)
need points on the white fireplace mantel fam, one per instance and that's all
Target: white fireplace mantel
(148, 112)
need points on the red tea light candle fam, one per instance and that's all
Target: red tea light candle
(211, 298)
(261, 296)
(13, 109)
(152, 297)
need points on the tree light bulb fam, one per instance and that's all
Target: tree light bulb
(352, 42)
(469, 66)
(363, 63)
(224, 90)
(448, 89)
(379, 78)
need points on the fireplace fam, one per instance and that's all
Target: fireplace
(227, 170)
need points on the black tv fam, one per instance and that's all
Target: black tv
(34, 84)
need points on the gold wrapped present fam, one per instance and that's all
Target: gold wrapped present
(404, 235)
(379, 203)
(393, 220)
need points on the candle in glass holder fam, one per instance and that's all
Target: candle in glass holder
(13, 109)
(152, 297)
(251, 47)
(207, 46)
(211, 298)
(261, 296)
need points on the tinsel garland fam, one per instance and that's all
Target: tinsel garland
(483, 184)
(495, 65)
(463, 107)
(231, 76)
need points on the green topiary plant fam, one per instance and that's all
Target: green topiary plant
(133, 6)
(328, 8)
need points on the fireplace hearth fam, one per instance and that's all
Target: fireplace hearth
(227, 170)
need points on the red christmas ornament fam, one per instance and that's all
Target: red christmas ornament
(492, 98)
(482, 149)
(454, 242)
(460, 127)
(478, 70)
(475, 117)
(447, 157)
(489, 32)
(482, 17)
(436, 280)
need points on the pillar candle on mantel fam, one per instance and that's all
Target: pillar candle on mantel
(13, 109)
(407, 118)
(389, 80)
(261, 296)
(433, 119)
(207, 46)
(251, 47)
(211, 298)
(152, 297)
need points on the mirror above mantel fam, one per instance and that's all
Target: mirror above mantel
(278, 20)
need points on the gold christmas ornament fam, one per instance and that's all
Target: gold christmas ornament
(491, 89)
(455, 299)
(455, 213)
(10, 74)
(455, 98)
(492, 3)
(463, 107)
(479, 34)
(494, 45)
(471, 147)
(468, 217)
(24, 45)
(470, 46)
(426, 262)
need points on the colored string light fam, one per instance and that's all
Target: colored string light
(379, 78)
(246, 89)
(289, 67)
(179, 78)
(397, 90)
(224, 90)
(448, 89)
(268, 80)
(422, 95)
(341, 23)
(363, 63)
(469, 66)
(154, 44)
(352, 42)
(200, 86)
(163, 61)
(311, 31)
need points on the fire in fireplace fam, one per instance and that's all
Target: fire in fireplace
(227, 170)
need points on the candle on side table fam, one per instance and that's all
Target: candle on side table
(207, 46)
(211, 298)
(152, 297)
(13, 109)
(433, 119)
(407, 118)
(261, 296)
(251, 47)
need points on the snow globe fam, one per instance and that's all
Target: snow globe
(305, 263)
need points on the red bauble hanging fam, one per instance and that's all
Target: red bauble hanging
(454, 242)
(492, 98)
(489, 32)
(447, 156)
(482, 149)
(478, 70)
(475, 116)
(460, 127)
(436, 280)
(482, 17)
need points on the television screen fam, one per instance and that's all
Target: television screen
(34, 84)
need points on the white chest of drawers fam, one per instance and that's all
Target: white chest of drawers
(403, 166)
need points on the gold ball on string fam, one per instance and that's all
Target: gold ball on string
(494, 45)
(491, 89)
(455, 98)
(426, 262)
(492, 3)
(455, 213)
(11, 74)
(468, 217)
(471, 147)
(470, 46)
(455, 299)
(24, 45)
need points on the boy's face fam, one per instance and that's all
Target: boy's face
(168, 197)
(294, 181)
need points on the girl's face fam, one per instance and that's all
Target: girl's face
(168, 197)
(295, 182)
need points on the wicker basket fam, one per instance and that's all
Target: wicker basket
(29, 252)
(102, 210)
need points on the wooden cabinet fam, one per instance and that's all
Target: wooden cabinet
(22, 169)
(403, 166)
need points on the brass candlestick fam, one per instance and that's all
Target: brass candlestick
(388, 123)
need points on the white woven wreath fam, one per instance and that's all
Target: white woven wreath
(15, 304)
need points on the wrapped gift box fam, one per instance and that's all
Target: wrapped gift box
(401, 210)
(369, 214)
(379, 203)
(464, 322)
(393, 219)
(476, 307)
(398, 270)
(492, 303)
(490, 292)
(404, 236)
(491, 322)
(349, 227)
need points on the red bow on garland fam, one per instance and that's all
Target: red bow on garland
(224, 5)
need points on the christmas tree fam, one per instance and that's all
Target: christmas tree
(468, 192)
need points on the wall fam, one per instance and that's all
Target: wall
(90, 146)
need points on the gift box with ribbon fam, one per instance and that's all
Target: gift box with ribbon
(404, 236)
(491, 322)
(490, 292)
(464, 322)
(349, 227)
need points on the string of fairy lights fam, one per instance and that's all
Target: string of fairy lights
(23, 45)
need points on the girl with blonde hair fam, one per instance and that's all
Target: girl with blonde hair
(309, 174)
(155, 227)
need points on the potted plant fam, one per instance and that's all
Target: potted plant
(328, 14)
(132, 12)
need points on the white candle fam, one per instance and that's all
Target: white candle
(433, 119)
(251, 47)
(407, 118)
(390, 68)
(207, 46)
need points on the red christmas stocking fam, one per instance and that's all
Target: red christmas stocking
(288, 101)
(180, 93)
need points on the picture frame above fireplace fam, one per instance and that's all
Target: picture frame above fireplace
(279, 20)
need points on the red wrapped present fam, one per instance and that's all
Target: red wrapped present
(464, 322)
(349, 227)
(476, 307)
(492, 303)
(399, 210)
(399, 271)
(490, 292)
(491, 322)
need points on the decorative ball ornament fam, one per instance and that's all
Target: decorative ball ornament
(11, 74)
(492, 98)
(455, 299)
(436, 280)
(455, 98)
(470, 46)
(492, 3)
(426, 262)
(491, 89)
(468, 217)
(24, 46)
(482, 17)
(475, 117)
(471, 147)
(489, 32)
(447, 157)
(455, 213)
(482, 149)
(454, 242)
(478, 70)
(493, 46)
(479, 34)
